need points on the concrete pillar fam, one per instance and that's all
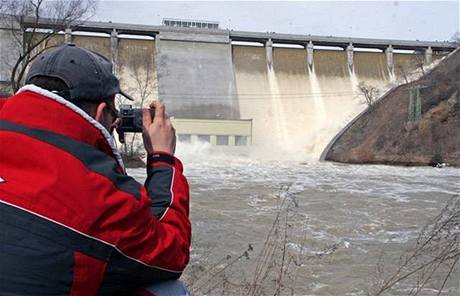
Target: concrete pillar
(193, 139)
(390, 62)
(269, 52)
(231, 140)
(68, 36)
(350, 50)
(213, 140)
(114, 50)
(310, 50)
(428, 55)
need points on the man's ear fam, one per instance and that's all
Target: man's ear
(100, 111)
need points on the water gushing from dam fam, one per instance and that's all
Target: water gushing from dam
(320, 113)
(299, 100)
(278, 114)
(304, 106)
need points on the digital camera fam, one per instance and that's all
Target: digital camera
(130, 119)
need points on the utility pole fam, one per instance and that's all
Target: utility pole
(415, 103)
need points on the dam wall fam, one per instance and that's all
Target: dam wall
(298, 108)
(136, 66)
(9, 51)
(196, 78)
(296, 93)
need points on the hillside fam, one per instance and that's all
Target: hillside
(385, 134)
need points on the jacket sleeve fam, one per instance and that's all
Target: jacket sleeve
(168, 190)
(156, 241)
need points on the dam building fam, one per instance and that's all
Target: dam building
(289, 92)
(190, 23)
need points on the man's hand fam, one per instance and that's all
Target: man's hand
(159, 134)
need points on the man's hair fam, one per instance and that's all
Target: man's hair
(59, 87)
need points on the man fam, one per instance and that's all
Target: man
(71, 221)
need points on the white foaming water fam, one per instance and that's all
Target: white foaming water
(392, 76)
(320, 113)
(353, 80)
(318, 139)
(279, 116)
(237, 168)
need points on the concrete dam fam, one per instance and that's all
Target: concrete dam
(287, 93)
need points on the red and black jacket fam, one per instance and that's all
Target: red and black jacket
(71, 221)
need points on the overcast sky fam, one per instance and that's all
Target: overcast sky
(411, 20)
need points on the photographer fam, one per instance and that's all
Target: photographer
(71, 221)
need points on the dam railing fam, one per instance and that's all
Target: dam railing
(261, 37)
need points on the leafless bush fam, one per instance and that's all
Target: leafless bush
(420, 61)
(274, 260)
(404, 72)
(368, 93)
(455, 37)
(275, 269)
(433, 258)
(5, 90)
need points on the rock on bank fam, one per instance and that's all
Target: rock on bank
(399, 130)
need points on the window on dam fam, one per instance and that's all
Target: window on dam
(204, 138)
(222, 140)
(241, 140)
(185, 138)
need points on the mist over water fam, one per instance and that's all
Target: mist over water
(252, 167)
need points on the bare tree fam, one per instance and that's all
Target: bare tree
(369, 93)
(415, 68)
(455, 38)
(33, 23)
(141, 82)
(404, 72)
(420, 61)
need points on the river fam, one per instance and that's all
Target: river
(343, 221)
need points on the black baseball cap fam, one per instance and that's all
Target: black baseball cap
(87, 74)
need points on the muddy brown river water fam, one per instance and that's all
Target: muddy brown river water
(347, 218)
